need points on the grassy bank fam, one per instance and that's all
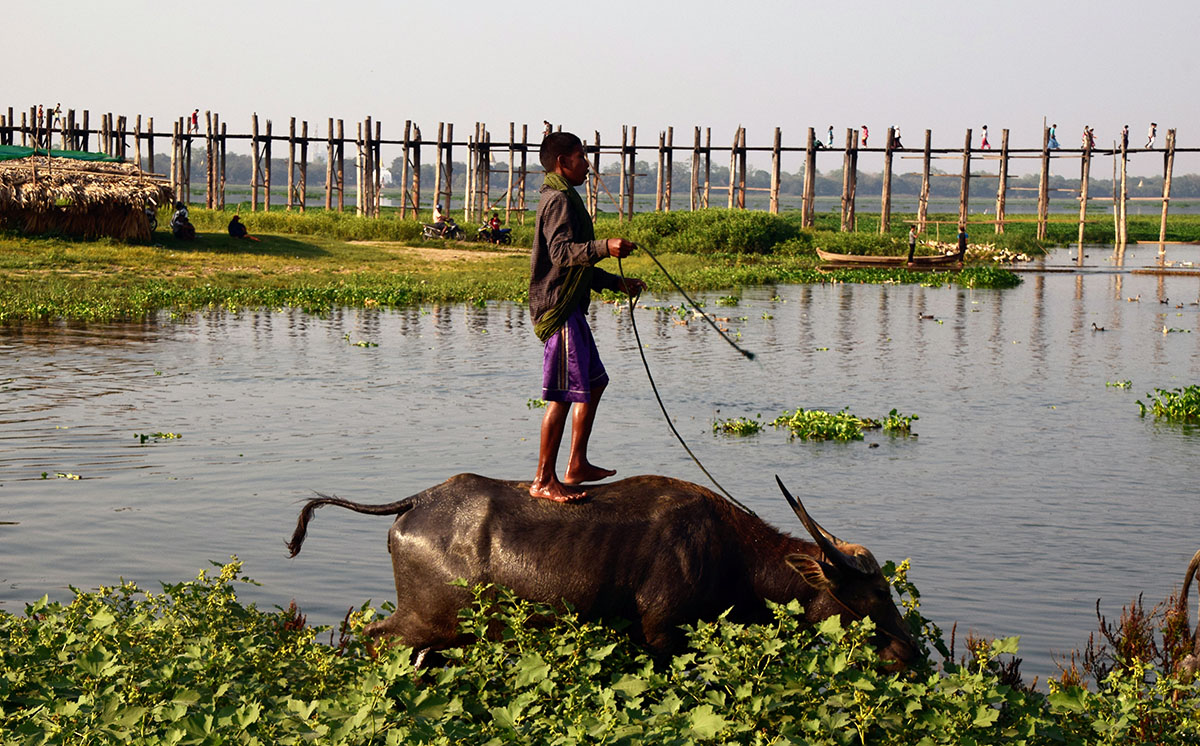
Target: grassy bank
(322, 260)
(193, 665)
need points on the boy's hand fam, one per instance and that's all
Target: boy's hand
(620, 248)
(632, 286)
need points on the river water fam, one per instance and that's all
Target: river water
(1031, 490)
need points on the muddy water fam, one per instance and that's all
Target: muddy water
(1032, 489)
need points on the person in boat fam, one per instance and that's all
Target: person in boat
(962, 240)
(912, 243)
(237, 229)
(181, 226)
(562, 277)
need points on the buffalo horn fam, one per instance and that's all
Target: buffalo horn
(825, 540)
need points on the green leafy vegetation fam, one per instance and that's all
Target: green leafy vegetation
(817, 424)
(143, 437)
(737, 426)
(193, 665)
(321, 260)
(1176, 405)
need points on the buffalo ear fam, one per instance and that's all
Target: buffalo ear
(816, 573)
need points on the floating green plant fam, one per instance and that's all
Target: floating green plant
(535, 403)
(1178, 405)
(899, 423)
(817, 424)
(737, 426)
(1119, 384)
(143, 437)
(728, 300)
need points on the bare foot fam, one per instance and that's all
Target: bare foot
(587, 473)
(556, 491)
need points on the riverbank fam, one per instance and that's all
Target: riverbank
(319, 260)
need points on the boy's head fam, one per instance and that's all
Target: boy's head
(562, 153)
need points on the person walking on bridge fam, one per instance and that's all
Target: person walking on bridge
(1151, 134)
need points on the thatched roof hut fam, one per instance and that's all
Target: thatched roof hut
(61, 192)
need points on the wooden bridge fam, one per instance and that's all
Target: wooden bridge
(114, 133)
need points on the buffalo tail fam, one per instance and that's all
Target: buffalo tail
(306, 514)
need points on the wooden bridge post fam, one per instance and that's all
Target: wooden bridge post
(742, 168)
(210, 170)
(329, 166)
(137, 139)
(149, 141)
(923, 200)
(404, 166)
(632, 173)
(291, 167)
(524, 170)
(807, 210)
(358, 170)
(885, 206)
(1002, 182)
(341, 164)
(376, 160)
(469, 197)
(846, 155)
(174, 149)
(512, 155)
(670, 167)
(1084, 177)
(1124, 192)
(621, 185)
(776, 167)
(224, 140)
(694, 194)
(964, 190)
(1044, 186)
(1168, 167)
(255, 163)
(438, 161)
(267, 169)
(485, 168)
(658, 182)
(594, 205)
(854, 182)
(449, 166)
(303, 188)
(187, 166)
(707, 165)
(416, 174)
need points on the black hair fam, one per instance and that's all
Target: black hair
(556, 144)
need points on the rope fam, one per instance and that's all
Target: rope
(745, 353)
(654, 387)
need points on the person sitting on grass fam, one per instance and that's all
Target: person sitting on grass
(562, 277)
(181, 227)
(237, 229)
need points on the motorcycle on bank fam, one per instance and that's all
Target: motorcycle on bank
(445, 229)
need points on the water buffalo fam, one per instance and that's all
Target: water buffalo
(656, 551)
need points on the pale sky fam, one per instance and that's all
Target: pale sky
(941, 64)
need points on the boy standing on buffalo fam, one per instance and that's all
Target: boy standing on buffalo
(561, 281)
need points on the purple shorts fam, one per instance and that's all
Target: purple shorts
(571, 365)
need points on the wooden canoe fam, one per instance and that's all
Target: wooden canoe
(865, 260)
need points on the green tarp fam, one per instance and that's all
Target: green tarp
(12, 152)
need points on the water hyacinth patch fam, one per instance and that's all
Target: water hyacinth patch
(737, 426)
(1177, 405)
(817, 424)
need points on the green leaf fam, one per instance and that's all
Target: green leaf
(1072, 700)
(101, 619)
(705, 723)
(831, 628)
(630, 686)
(531, 669)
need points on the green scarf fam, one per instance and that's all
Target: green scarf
(578, 282)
